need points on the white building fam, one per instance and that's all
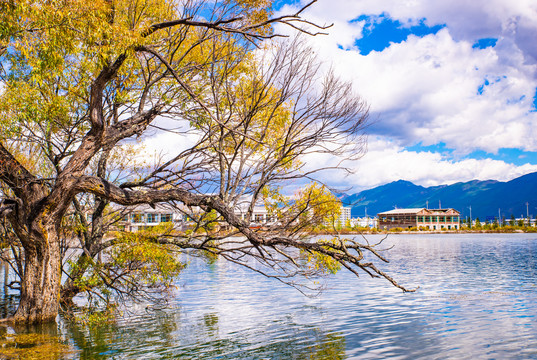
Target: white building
(143, 216)
(369, 222)
(344, 216)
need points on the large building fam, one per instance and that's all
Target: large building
(432, 219)
(145, 216)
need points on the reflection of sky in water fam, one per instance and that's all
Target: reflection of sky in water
(477, 299)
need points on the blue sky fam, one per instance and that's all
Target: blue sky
(452, 85)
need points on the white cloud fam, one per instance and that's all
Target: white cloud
(438, 88)
(426, 90)
(385, 162)
(160, 145)
(467, 20)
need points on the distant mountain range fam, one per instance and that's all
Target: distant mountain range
(484, 197)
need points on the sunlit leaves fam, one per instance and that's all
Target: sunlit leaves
(136, 266)
(275, 202)
(144, 258)
(256, 12)
(317, 205)
(320, 263)
(251, 124)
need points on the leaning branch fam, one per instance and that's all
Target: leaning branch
(247, 31)
(340, 252)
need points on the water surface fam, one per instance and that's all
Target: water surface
(477, 300)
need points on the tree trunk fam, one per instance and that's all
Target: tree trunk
(41, 280)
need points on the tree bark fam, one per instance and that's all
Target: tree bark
(40, 283)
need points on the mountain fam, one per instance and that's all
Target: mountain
(484, 198)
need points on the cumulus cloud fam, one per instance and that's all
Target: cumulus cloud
(467, 20)
(385, 162)
(438, 88)
(167, 139)
(441, 87)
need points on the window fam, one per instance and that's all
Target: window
(165, 217)
(137, 218)
(258, 218)
(152, 218)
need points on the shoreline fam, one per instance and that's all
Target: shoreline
(428, 232)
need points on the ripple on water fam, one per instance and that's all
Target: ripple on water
(477, 300)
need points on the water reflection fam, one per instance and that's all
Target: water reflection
(9, 297)
(34, 342)
(476, 300)
(164, 334)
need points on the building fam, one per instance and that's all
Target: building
(365, 222)
(140, 217)
(144, 216)
(344, 216)
(432, 219)
(260, 216)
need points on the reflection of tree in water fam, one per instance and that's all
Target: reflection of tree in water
(211, 322)
(167, 334)
(8, 304)
(33, 342)
(305, 343)
(161, 334)
(20, 341)
(317, 344)
(329, 346)
(135, 335)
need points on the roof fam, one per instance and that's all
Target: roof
(156, 208)
(417, 210)
(402, 211)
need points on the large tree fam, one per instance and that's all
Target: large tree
(81, 80)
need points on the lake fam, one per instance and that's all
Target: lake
(477, 299)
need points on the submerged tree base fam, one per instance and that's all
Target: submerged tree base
(33, 346)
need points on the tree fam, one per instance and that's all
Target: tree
(81, 80)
